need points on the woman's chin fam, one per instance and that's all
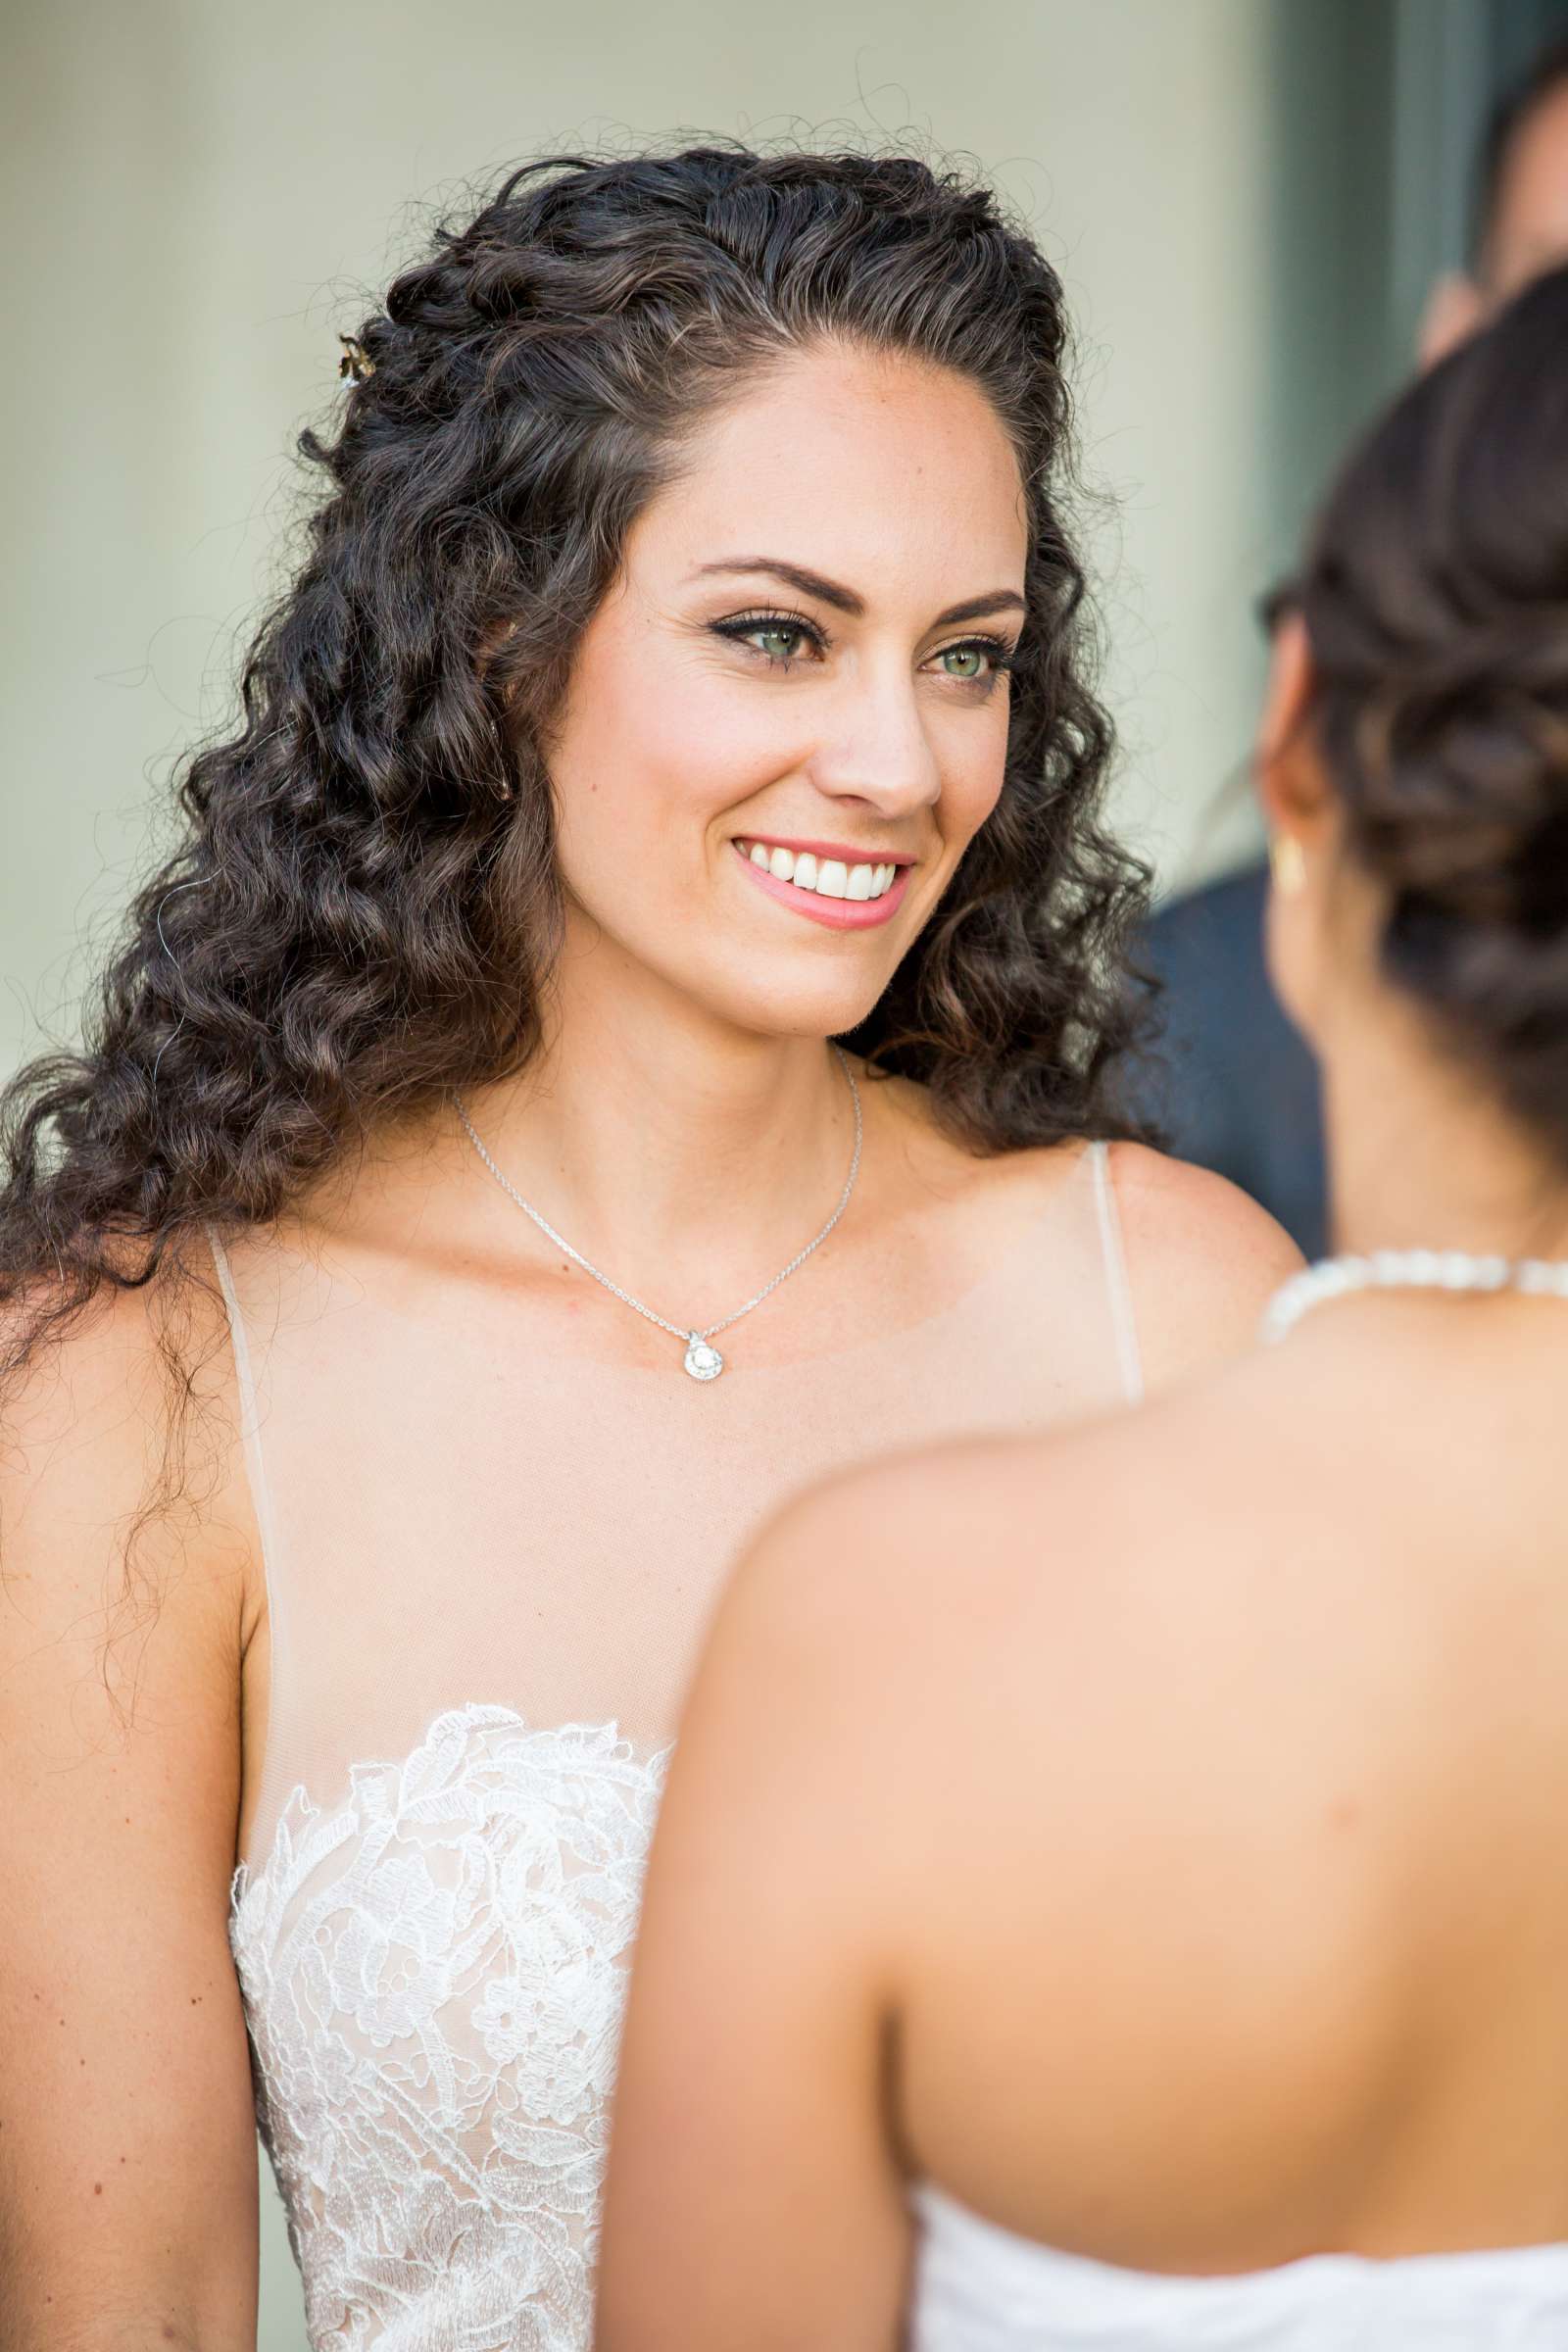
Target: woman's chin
(786, 1009)
(766, 1018)
(765, 995)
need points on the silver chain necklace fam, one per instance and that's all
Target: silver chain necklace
(1409, 1270)
(702, 1359)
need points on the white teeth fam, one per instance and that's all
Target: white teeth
(829, 877)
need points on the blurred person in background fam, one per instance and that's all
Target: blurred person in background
(1521, 205)
(1110, 1886)
(1231, 1082)
(460, 1227)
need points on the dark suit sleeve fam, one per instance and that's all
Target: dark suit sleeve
(1229, 1081)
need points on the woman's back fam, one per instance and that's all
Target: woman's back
(1303, 1983)
(1177, 1849)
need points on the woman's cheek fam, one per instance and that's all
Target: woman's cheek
(970, 796)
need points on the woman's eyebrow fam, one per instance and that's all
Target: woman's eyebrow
(981, 608)
(805, 583)
(845, 600)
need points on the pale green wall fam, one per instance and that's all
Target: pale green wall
(198, 191)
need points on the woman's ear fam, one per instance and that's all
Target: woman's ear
(1305, 823)
(1290, 784)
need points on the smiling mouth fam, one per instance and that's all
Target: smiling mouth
(842, 894)
(828, 877)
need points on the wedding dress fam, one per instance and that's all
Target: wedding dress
(489, 1565)
(979, 2288)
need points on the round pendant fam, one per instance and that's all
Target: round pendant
(701, 1361)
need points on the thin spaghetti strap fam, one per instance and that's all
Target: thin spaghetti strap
(250, 1416)
(249, 1409)
(1117, 1290)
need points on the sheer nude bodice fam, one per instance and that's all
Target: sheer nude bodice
(489, 1565)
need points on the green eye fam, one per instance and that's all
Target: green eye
(778, 642)
(964, 661)
(782, 639)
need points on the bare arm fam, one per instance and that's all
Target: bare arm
(752, 2199)
(127, 2170)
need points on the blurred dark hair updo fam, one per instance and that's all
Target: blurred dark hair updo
(1436, 599)
(363, 912)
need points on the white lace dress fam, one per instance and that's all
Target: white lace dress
(488, 1571)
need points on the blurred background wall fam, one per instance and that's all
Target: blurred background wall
(1246, 198)
(200, 193)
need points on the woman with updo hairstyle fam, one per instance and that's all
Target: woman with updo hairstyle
(628, 1027)
(1111, 1892)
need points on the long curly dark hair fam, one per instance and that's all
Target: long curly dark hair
(364, 908)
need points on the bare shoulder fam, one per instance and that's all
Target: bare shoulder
(871, 1598)
(1202, 1260)
(118, 1361)
(122, 1489)
(1178, 1809)
(130, 1578)
(1097, 1573)
(125, 1584)
(970, 1635)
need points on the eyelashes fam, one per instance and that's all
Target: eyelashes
(739, 628)
(771, 621)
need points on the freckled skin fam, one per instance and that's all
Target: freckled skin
(169, 2234)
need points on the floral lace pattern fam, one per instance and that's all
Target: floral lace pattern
(434, 1976)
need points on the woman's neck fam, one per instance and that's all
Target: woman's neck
(686, 1159)
(1421, 1158)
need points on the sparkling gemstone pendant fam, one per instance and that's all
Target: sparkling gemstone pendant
(702, 1362)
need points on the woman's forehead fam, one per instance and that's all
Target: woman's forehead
(856, 465)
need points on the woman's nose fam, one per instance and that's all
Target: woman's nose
(877, 747)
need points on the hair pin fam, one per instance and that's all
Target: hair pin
(355, 366)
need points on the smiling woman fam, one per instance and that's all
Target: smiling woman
(664, 807)
(861, 725)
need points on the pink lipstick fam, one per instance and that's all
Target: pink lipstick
(863, 890)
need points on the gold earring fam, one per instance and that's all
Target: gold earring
(1288, 865)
